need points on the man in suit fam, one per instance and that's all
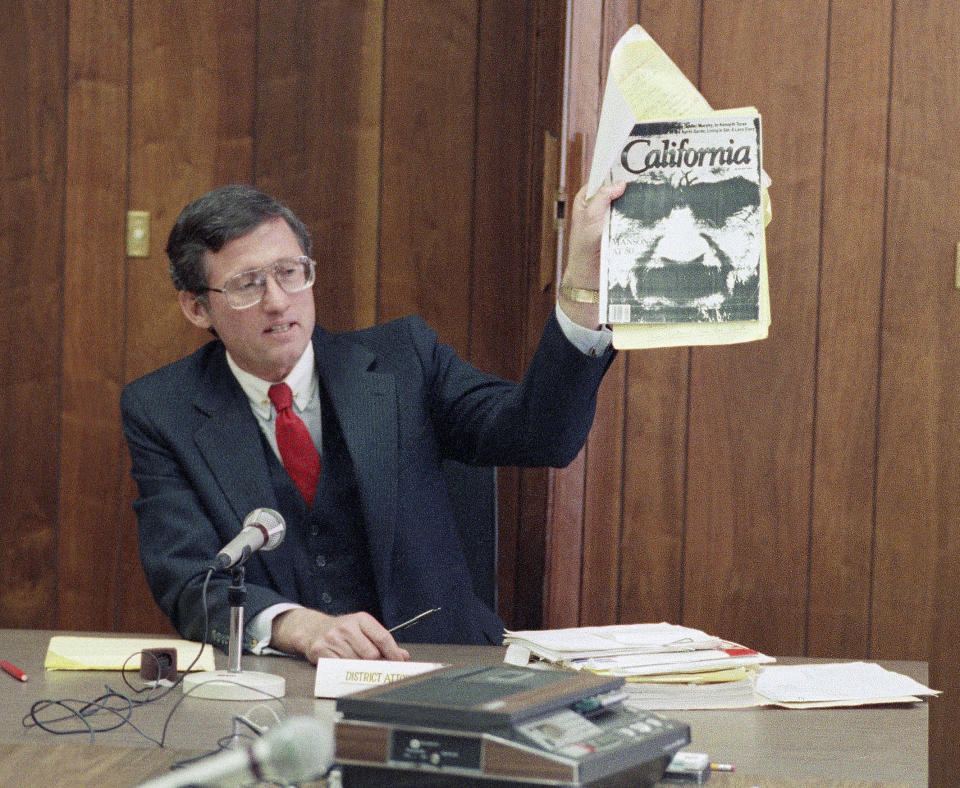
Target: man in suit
(371, 541)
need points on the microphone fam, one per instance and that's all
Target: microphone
(297, 750)
(263, 529)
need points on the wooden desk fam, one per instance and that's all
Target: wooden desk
(869, 744)
(769, 747)
(59, 763)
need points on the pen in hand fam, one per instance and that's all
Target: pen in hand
(411, 621)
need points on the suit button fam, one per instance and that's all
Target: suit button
(321, 561)
(327, 599)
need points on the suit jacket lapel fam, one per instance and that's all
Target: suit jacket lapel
(365, 403)
(230, 442)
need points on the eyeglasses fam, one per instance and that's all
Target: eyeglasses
(246, 289)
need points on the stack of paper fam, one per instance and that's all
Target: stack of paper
(69, 652)
(666, 666)
(635, 649)
(735, 690)
(836, 684)
(570, 645)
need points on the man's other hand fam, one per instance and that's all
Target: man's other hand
(353, 636)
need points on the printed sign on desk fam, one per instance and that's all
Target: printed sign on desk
(336, 677)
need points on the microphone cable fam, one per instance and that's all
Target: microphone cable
(233, 740)
(83, 711)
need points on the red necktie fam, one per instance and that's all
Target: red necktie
(296, 447)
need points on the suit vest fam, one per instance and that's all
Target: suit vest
(332, 570)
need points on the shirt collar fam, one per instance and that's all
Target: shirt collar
(302, 381)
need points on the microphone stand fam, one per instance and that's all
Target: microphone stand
(236, 595)
(234, 683)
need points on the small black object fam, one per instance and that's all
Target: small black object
(157, 664)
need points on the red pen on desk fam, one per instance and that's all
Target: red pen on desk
(13, 670)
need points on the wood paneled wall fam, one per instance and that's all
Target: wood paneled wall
(31, 242)
(797, 494)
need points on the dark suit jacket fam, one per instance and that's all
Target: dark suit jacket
(404, 401)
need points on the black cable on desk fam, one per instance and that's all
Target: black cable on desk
(84, 710)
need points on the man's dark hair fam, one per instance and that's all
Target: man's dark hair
(215, 219)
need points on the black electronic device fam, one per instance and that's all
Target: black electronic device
(501, 725)
(158, 664)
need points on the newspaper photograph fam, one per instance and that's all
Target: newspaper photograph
(684, 242)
